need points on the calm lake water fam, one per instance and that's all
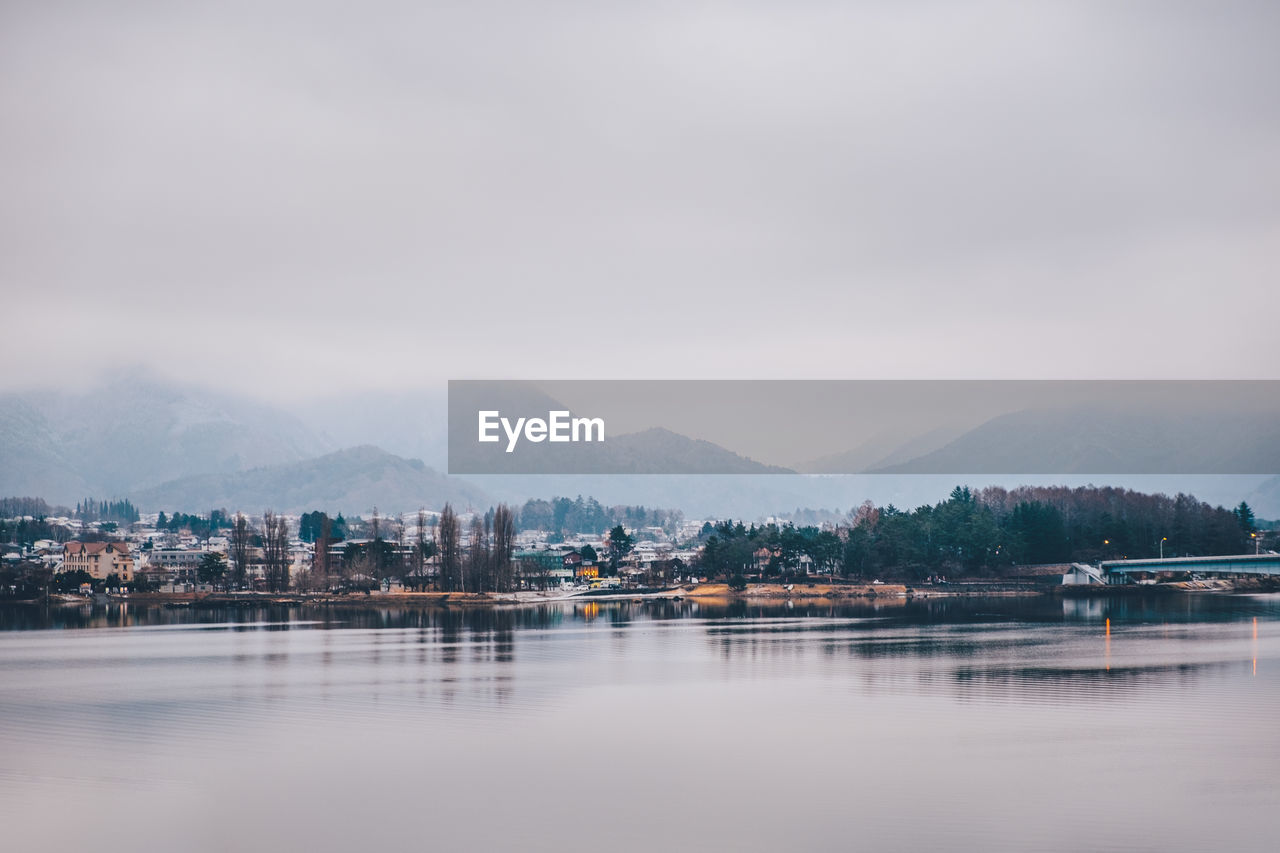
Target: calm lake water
(965, 724)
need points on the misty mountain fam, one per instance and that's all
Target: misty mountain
(660, 450)
(32, 462)
(352, 481)
(1110, 442)
(411, 424)
(134, 432)
(650, 451)
(884, 449)
(176, 447)
(1265, 499)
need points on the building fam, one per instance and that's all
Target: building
(99, 559)
(180, 562)
(580, 565)
(538, 569)
(171, 565)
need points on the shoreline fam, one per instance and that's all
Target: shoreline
(710, 593)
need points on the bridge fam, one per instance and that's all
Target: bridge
(1123, 571)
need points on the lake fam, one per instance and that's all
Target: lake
(1021, 724)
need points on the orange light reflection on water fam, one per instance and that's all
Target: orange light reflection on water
(1108, 644)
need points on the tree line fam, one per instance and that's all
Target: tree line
(201, 526)
(485, 562)
(24, 531)
(120, 510)
(987, 532)
(567, 517)
(17, 507)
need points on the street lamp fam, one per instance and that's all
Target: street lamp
(1163, 539)
(1256, 543)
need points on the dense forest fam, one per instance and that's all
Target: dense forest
(120, 511)
(24, 531)
(34, 507)
(311, 526)
(200, 525)
(566, 517)
(987, 532)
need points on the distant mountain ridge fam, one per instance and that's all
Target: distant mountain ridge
(882, 450)
(1265, 499)
(171, 446)
(353, 480)
(134, 432)
(1109, 442)
(655, 450)
(32, 462)
(659, 450)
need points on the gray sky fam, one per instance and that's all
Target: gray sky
(265, 192)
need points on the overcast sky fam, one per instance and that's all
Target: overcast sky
(297, 194)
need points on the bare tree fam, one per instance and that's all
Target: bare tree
(320, 561)
(376, 524)
(282, 552)
(420, 549)
(268, 549)
(275, 550)
(399, 565)
(504, 534)
(447, 542)
(478, 556)
(240, 535)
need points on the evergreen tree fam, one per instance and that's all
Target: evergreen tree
(1244, 515)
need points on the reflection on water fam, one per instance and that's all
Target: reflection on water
(1129, 723)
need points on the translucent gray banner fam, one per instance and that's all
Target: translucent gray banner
(864, 426)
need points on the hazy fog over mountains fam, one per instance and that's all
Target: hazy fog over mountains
(362, 203)
(407, 423)
(1101, 440)
(134, 431)
(174, 447)
(352, 480)
(639, 449)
